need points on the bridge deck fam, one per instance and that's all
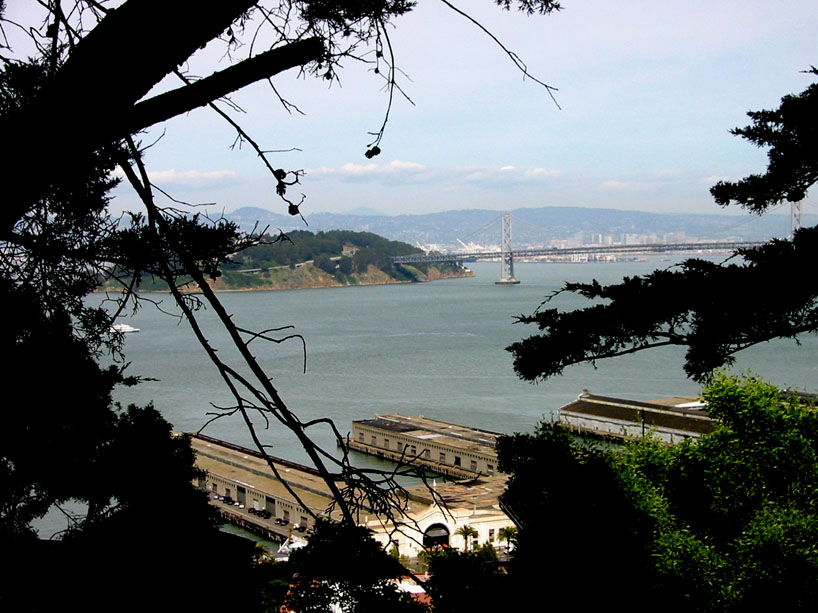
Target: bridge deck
(589, 250)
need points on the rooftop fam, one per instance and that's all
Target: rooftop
(686, 413)
(423, 428)
(247, 467)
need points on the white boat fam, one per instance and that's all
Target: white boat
(288, 546)
(124, 328)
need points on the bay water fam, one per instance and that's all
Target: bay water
(434, 349)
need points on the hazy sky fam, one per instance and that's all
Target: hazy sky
(648, 92)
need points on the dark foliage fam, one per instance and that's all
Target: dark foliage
(543, 7)
(713, 310)
(141, 527)
(725, 524)
(467, 581)
(208, 244)
(146, 537)
(302, 246)
(791, 134)
(342, 14)
(344, 565)
(578, 521)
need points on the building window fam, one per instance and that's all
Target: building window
(442, 458)
(457, 460)
(386, 443)
(491, 535)
(361, 436)
(427, 454)
(474, 466)
(490, 468)
(374, 440)
(414, 450)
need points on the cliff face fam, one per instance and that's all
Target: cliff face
(309, 276)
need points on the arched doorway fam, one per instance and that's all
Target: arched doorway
(436, 535)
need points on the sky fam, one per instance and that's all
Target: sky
(647, 94)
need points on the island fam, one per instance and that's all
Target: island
(335, 258)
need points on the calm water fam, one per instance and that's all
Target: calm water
(433, 349)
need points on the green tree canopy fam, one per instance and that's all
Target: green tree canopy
(726, 523)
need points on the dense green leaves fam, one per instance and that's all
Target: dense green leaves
(578, 522)
(465, 582)
(728, 523)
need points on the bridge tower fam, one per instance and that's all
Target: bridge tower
(506, 255)
(795, 217)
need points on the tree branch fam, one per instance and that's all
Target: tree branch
(199, 93)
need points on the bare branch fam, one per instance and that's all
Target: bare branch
(513, 56)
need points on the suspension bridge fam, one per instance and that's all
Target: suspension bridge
(506, 255)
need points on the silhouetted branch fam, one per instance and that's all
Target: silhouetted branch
(199, 93)
(513, 56)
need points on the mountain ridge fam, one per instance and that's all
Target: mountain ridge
(531, 226)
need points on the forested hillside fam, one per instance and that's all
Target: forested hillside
(302, 259)
(363, 248)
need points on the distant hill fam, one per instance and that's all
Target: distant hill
(326, 259)
(531, 226)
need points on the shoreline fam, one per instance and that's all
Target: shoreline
(269, 288)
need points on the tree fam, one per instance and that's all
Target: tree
(86, 90)
(362, 581)
(727, 523)
(577, 523)
(467, 581)
(467, 532)
(508, 534)
(715, 310)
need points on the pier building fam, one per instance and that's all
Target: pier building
(245, 491)
(670, 419)
(449, 449)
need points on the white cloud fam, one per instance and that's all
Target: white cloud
(399, 165)
(629, 186)
(192, 178)
(372, 169)
(357, 169)
(541, 172)
(713, 179)
(398, 172)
